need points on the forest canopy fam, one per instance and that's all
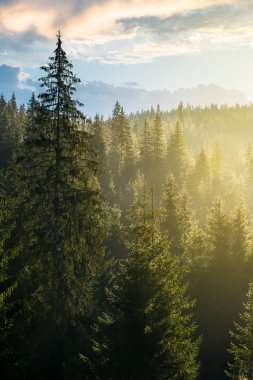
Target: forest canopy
(125, 243)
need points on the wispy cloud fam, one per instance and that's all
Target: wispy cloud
(131, 31)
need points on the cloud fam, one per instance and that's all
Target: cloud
(9, 76)
(7, 1)
(14, 79)
(20, 41)
(130, 31)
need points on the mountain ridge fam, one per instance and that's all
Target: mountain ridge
(100, 97)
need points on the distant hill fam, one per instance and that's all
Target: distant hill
(100, 97)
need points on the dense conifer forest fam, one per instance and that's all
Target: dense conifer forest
(126, 248)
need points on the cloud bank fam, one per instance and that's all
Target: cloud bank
(128, 32)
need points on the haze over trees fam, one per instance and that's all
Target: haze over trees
(125, 243)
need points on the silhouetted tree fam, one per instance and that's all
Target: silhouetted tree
(54, 230)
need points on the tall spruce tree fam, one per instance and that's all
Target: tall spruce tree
(241, 237)
(3, 118)
(201, 169)
(177, 155)
(122, 155)
(146, 151)
(12, 131)
(145, 331)
(55, 230)
(99, 140)
(176, 216)
(156, 168)
(6, 146)
(122, 142)
(157, 137)
(217, 290)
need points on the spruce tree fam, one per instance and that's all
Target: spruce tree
(122, 155)
(241, 347)
(127, 140)
(12, 127)
(177, 155)
(99, 140)
(55, 229)
(145, 331)
(218, 230)
(3, 118)
(121, 139)
(146, 150)
(100, 143)
(157, 137)
(158, 150)
(6, 145)
(180, 113)
(201, 170)
(176, 216)
(241, 237)
(115, 154)
(217, 290)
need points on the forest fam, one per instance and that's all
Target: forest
(126, 246)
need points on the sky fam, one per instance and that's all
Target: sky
(149, 44)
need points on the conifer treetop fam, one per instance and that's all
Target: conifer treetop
(59, 84)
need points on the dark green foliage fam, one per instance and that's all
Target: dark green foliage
(146, 151)
(241, 239)
(145, 331)
(218, 230)
(12, 122)
(156, 167)
(54, 230)
(99, 140)
(122, 157)
(176, 216)
(3, 117)
(157, 137)
(100, 143)
(241, 347)
(52, 227)
(177, 158)
(121, 139)
(219, 282)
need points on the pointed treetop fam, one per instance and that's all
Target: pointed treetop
(180, 113)
(59, 39)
